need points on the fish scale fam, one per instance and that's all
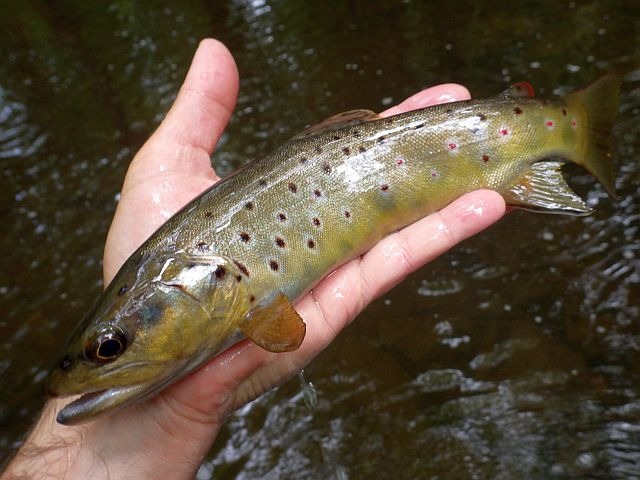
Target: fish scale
(233, 260)
(354, 183)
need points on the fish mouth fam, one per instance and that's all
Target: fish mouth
(92, 404)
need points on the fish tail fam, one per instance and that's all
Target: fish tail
(600, 101)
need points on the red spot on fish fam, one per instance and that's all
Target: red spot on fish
(434, 173)
(400, 161)
(452, 146)
(485, 158)
(574, 123)
(504, 132)
(549, 123)
(384, 187)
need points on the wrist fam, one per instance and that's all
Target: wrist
(106, 448)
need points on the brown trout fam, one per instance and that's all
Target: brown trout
(233, 260)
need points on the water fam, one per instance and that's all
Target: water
(514, 356)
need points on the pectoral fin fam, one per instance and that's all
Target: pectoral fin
(544, 189)
(275, 326)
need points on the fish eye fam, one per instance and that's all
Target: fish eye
(107, 345)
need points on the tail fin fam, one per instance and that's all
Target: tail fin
(600, 100)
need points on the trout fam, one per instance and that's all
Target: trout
(232, 261)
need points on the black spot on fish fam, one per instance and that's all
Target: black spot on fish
(316, 221)
(346, 150)
(337, 137)
(274, 265)
(517, 110)
(384, 187)
(326, 168)
(248, 205)
(449, 110)
(280, 242)
(318, 149)
(362, 149)
(356, 133)
(347, 214)
(482, 117)
(303, 160)
(474, 130)
(242, 268)
(282, 217)
(202, 246)
(123, 289)
(66, 363)
(208, 214)
(238, 278)
(419, 126)
(564, 112)
(381, 139)
(293, 187)
(311, 243)
(317, 193)
(220, 272)
(245, 237)
(252, 299)
(262, 182)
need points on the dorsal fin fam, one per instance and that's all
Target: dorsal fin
(518, 90)
(339, 120)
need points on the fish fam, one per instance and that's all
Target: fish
(231, 263)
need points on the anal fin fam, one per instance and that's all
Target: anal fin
(275, 326)
(544, 189)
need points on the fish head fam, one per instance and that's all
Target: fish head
(176, 312)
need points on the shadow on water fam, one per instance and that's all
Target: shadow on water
(514, 356)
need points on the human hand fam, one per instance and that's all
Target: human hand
(168, 435)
